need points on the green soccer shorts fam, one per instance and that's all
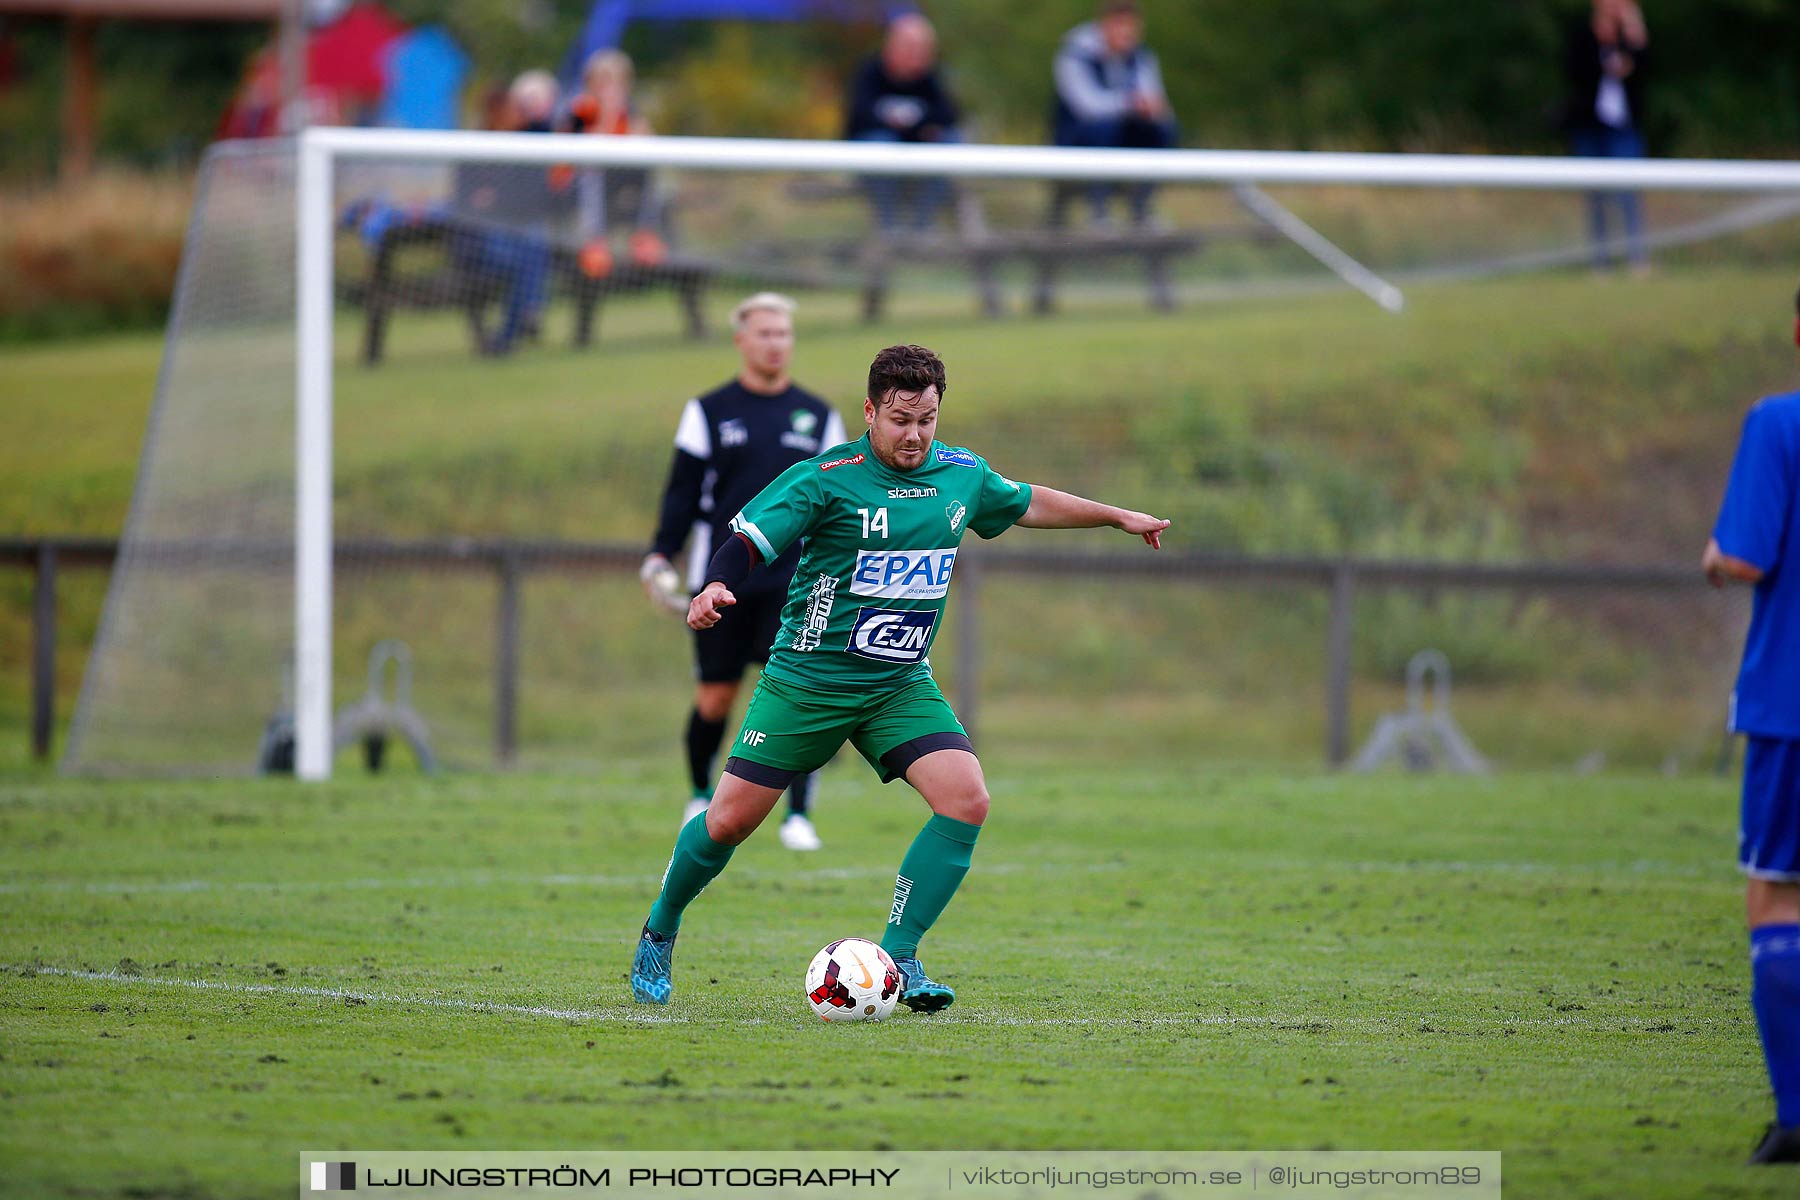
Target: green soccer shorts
(790, 730)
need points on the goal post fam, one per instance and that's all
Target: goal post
(320, 150)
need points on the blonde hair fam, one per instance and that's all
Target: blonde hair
(533, 86)
(761, 302)
(607, 64)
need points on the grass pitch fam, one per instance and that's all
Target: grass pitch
(203, 978)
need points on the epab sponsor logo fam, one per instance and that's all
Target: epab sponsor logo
(852, 461)
(892, 635)
(950, 454)
(903, 574)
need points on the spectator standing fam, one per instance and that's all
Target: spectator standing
(898, 96)
(1607, 55)
(1109, 93)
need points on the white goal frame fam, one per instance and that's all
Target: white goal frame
(320, 149)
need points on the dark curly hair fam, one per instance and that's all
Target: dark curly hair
(909, 369)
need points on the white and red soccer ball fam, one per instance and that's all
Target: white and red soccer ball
(852, 980)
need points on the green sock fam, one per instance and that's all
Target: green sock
(929, 874)
(696, 862)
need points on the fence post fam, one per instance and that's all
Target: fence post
(506, 661)
(43, 651)
(968, 643)
(1337, 651)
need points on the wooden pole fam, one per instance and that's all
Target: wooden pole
(80, 104)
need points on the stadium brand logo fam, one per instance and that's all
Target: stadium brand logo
(333, 1177)
(852, 461)
(754, 737)
(956, 512)
(892, 635)
(800, 441)
(902, 889)
(903, 574)
(733, 433)
(911, 493)
(962, 458)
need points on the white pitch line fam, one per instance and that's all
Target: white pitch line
(1293, 1024)
(1597, 872)
(485, 879)
(329, 993)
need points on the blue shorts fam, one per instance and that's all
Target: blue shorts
(1769, 837)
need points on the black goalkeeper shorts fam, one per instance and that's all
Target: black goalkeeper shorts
(743, 636)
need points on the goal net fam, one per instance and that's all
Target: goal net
(1392, 403)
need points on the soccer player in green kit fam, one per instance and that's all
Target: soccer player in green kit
(882, 517)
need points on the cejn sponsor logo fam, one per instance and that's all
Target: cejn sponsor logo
(949, 454)
(733, 433)
(892, 635)
(911, 493)
(903, 574)
(853, 460)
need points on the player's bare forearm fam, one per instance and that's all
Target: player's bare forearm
(1051, 509)
(1721, 568)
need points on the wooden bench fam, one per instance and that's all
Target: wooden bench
(454, 285)
(1047, 249)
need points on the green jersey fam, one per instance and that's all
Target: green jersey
(867, 597)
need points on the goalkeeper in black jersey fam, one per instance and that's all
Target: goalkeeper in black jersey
(731, 443)
(882, 518)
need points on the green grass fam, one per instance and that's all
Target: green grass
(1145, 958)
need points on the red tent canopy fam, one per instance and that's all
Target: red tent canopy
(344, 75)
(346, 55)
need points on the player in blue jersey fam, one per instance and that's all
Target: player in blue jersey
(880, 521)
(1757, 541)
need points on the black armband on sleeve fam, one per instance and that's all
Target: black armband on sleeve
(733, 562)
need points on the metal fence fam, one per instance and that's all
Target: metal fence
(510, 561)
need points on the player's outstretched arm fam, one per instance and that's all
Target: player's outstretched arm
(735, 559)
(703, 611)
(1051, 509)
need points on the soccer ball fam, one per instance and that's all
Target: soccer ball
(852, 980)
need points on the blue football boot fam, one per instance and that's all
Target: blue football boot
(653, 968)
(918, 992)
